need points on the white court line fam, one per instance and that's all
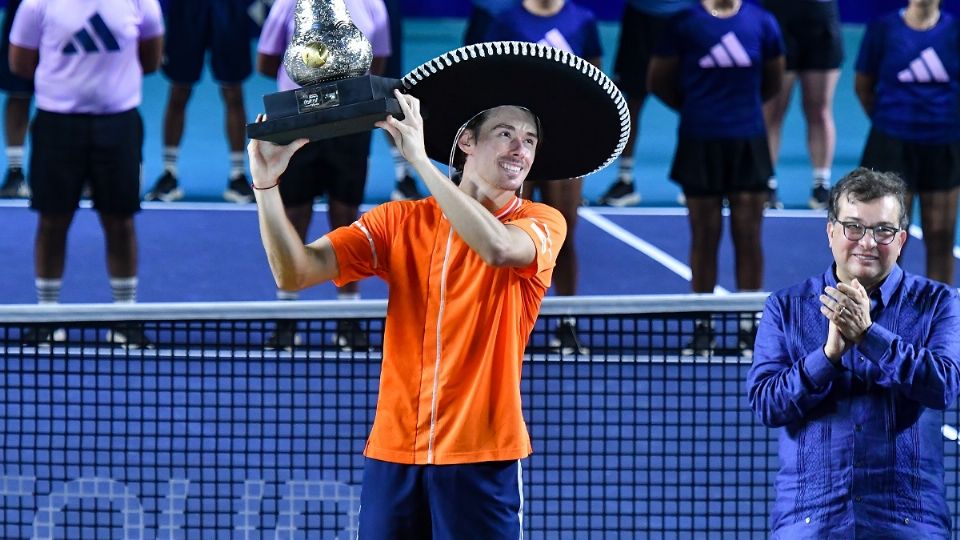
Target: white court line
(640, 245)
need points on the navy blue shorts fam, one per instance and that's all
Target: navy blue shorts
(334, 167)
(193, 27)
(473, 501)
(639, 34)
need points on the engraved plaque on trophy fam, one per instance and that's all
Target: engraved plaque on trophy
(329, 58)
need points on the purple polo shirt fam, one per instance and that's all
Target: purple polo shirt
(89, 51)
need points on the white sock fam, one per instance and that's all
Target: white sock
(287, 295)
(170, 155)
(15, 157)
(48, 290)
(124, 289)
(821, 176)
(237, 165)
(348, 296)
(625, 170)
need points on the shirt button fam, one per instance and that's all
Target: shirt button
(806, 520)
(906, 521)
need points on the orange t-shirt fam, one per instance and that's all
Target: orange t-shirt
(455, 331)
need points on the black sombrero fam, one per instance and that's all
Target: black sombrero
(583, 116)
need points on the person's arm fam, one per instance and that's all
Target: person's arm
(928, 374)
(23, 61)
(294, 265)
(268, 64)
(781, 389)
(151, 54)
(865, 87)
(772, 79)
(497, 244)
(663, 80)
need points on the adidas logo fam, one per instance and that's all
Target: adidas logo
(555, 39)
(925, 68)
(728, 53)
(84, 40)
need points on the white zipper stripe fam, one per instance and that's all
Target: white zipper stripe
(509, 208)
(373, 247)
(436, 367)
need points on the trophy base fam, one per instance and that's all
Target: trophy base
(327, 109)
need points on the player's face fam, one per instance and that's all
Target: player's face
(503, 148)
(865, 259)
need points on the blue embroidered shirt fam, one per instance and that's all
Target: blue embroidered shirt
(861, 454)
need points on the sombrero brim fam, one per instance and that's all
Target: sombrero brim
(582, 114)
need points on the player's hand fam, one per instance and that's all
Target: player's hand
(848, 307)
(407, 133)
(269, 160)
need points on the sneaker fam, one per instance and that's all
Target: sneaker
(746, 337)
(819, 197)
(239, 190)
(14, 185)
(43, 335)
(129, 336)
(566, 339)
(350, 336)
(285, 338)
(773, 201)
(620, 193)
(703, 341)
(405, 190)
(165, 190)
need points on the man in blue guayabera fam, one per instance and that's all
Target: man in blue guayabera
(855, 367)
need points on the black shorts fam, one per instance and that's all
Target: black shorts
(193, 26)
(9, 82)
(811, 33)
(923, 166)
(639, 33)
(70, 150)
(336, 168)
(715, 167)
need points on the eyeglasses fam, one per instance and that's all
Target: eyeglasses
(883, 234)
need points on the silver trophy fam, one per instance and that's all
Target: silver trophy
(329, 58)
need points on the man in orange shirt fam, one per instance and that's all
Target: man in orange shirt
(467, 269)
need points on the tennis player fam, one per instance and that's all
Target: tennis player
(467, 268)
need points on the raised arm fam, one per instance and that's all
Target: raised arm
(497, 244)
(294, 265)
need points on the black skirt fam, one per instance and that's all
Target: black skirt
(923, 166)
(716, 167)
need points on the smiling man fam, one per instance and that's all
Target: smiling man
(855, 367)
(467, 269)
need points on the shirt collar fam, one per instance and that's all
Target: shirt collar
(508, 208)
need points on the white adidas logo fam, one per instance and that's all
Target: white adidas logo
(728, 53)
(925, 68)
(554, 38)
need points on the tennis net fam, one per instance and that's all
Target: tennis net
(219, 429)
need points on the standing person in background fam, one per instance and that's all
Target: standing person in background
(87, 130)
(193, 27)
(16, 113)
(481, 16)
(640, 28)
(405, 186)
(564, 25)
(814, 51)
(716, 64)
(335, 167)
(855, 366)
(908, 81)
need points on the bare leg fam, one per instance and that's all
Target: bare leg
(16, 119)
(774, 111)
(746, 218)
(706, 225)
(236, 116)
(121, 241)
(50, 248)
(938, 214)
(565, 196)
(818, 89)
(173, 117)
